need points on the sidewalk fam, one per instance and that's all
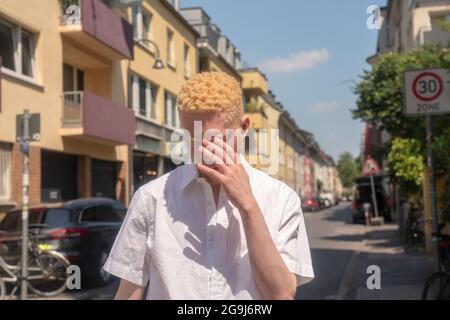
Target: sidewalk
(403, 272)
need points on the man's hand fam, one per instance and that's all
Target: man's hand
(225, 167)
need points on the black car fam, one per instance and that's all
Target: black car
(82, 230)
(362, 193)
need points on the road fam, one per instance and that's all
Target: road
(333, 238)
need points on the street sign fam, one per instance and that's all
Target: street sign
(427, 92)
(34, 127)
(371, 167)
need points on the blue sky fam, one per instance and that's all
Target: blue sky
(311, 51)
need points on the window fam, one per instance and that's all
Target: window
(100, 213)
(7, 46)
(73, 78)
(170, 49)
(142, 24)
(5, 172)
(170, 110)
(120, 210)
(17, 49)
(143, 97)
(147, 25)
(187, 60)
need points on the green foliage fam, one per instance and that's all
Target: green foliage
(319, 185)
(443, 24)
(380, 103)
(348, 169)
(406, 163)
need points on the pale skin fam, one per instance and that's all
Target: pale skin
(272, 277)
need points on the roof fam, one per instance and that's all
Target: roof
(174, 11)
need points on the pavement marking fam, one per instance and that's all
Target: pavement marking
(346, 281)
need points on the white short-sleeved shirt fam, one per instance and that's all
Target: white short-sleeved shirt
(175, 240)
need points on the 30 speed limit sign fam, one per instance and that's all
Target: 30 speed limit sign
(427, 91)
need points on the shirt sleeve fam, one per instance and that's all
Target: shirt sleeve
(129, 258)
(293, 242)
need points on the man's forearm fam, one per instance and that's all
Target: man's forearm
(272, 277)
(129, 291)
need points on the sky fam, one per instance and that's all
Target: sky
(312, 53)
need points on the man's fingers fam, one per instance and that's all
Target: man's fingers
(219, 151)
(212, 174)
(232, 157)
(212, 159)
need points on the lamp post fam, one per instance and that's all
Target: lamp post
(158, 65)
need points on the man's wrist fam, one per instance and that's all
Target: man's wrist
(249, 207)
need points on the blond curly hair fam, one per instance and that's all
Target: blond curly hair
(212, 92)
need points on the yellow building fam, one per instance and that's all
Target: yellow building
(160, 32)
(63, 60)
(264, 112)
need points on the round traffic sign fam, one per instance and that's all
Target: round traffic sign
(427, 86)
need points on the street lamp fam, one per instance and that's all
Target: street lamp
(158, 65)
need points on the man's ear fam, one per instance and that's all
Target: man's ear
(245, 124)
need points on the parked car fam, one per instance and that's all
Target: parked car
(330, 199)
(82, 230)
(362, 193)
(311, 204)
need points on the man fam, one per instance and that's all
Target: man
(215, 229)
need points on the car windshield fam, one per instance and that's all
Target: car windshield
(52, 218)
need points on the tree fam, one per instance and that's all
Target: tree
(347, 167)
(380, 103)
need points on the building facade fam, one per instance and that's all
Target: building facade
(160, 32)
(62, 59)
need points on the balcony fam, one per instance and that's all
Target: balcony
(209, 32)
(90, 117)
(96, 27)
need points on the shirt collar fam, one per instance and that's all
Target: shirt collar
(190, 172)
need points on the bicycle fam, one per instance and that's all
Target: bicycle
(437, 286)
(47, 269)
(413, 235)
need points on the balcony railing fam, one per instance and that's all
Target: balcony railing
(72, 107)
(98, 118)
(100, 23)
(148, 128)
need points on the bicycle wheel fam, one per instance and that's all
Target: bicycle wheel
(47, 274)
(434, 285)
(445, 291)
(2, 289)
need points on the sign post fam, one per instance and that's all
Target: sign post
(427, 93)
(371, 168)
(27, 130)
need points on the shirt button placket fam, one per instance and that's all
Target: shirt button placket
(210, 250)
